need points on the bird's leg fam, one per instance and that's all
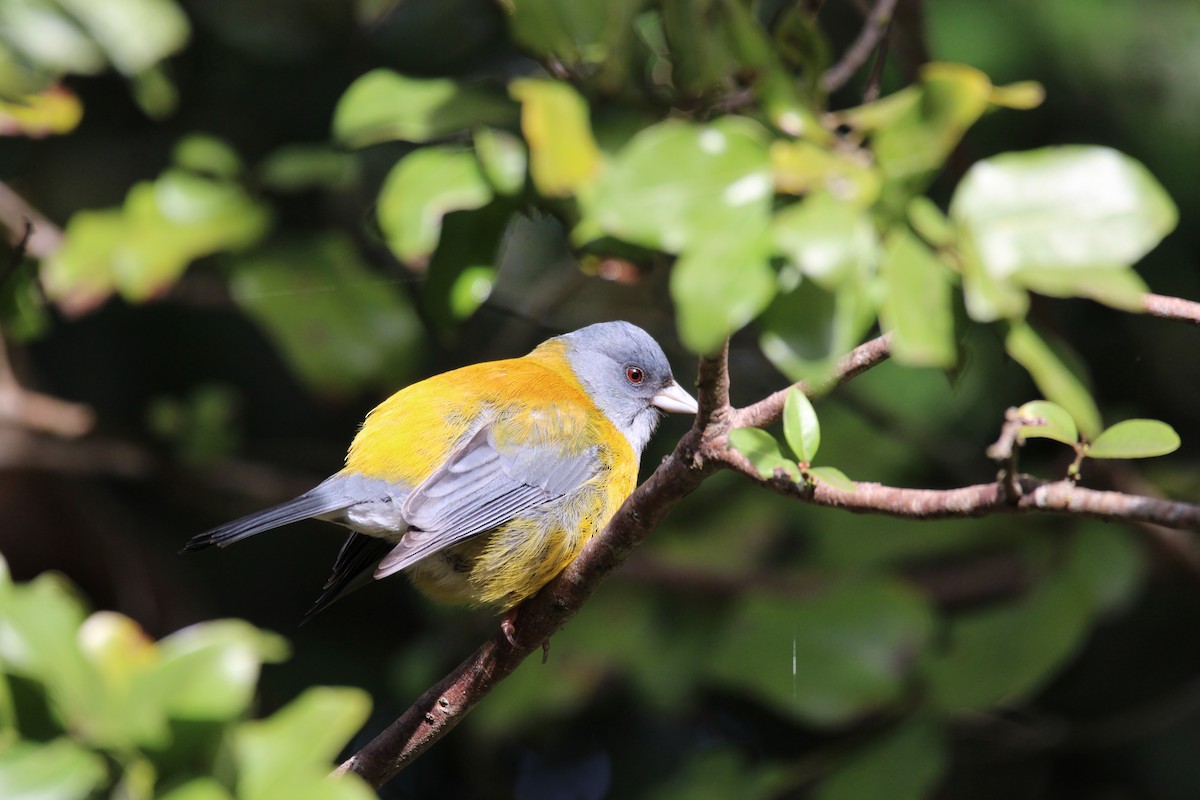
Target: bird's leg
(508, 626)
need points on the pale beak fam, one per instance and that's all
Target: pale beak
(674, 398)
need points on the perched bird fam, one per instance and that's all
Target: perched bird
(484, 482)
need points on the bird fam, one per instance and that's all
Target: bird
(484, 482)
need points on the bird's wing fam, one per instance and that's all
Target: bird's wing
(352, 570)
(483, 485)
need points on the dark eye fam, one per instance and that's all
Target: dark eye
(635, 374)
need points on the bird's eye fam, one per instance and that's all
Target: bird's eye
(635, 374)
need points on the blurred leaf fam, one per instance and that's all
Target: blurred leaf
(720, 284)
(198, 789)
(207, 155)
(1053, 378)
(503, 157)
(830, 658)
(463, 269)
(988, 298)
(134, 34)
(1057, 424)
(806, 329)
(23, 314)
(800, 426)
(1010, 651)
(300, 167)
(209, 671)
(339, 325)
(763, 452)
(288, 754)
(423, 187)
(930, 223)
(142, 248)
(383, 106)
(122, 655)
(1022, 95)
(48, 38)
(834, 477)
(155, 92)
(720, 775)
(800, 167)
(58, 770)
(904, 764)
(677, 186)
(563, 155)
(828, 240)
(1135, 438)
(701, 57)
(1061, 208)
(1117, 287)
(593, 41)
(917, 142)
(19, 75)
(56, 110)
(917, 307)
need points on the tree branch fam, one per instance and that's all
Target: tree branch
(701, 452)
(1175, 308)
(874, 29)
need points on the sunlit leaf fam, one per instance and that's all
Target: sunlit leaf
(834, 477)
(1056, 422)
(555, 120)
(463, 270)
(800, 167)
(988, 298)
(1135, 438)
(677, 184)
(383, 105)
(198, 789)
(58, 770)
(207, 155)
(1055, 380)
(763, 452)
(1022, 95)
(828, 240)
(930, 223)
(916, 308)
(422, 188)
(720, 284)
(134, 34)
(1061, 208)
(800, 426)
(281, 755)
(829, 658)
(56, 110)
(1117, 287)
(503, 157)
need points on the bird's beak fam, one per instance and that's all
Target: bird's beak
(674, 398)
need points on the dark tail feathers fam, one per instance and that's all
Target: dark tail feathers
(307, 505)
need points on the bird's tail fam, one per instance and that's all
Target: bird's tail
(310, 504)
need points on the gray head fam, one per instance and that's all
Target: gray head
(627, 375)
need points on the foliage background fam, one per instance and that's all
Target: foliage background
(657, 688)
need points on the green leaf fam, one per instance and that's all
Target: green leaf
(1117, 287)
(198, 789)
(288, 754)
(804, 167)
(834, 477)
(503, 158)
(134, 34)
(930, 223)
(1053, 378)
(145, 246)
(209, 671)
(422, 188)
(1135, 438)
(1061, 208)
(383, 105)
(807, 329)
(800, 426)
(58, 770)
(720, 284)
(763, 452)
(1010, 651)
(903, 764)
(563, 155)
(917, 307)
(831, 658)
(676, 186)
(300, 167)
(207, 155)
(463, 270)
(338, 325)
(1057, 424)
(917, 142)
(827, 240)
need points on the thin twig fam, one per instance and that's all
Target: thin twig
(16, 215)
(1175, 308)
(875, 27)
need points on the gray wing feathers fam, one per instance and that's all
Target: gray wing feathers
(479, 488)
